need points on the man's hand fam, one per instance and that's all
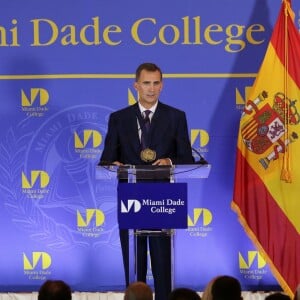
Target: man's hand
(163, 162)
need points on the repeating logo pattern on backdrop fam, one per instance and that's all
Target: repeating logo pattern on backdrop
(37, 265)
(252, 265)
(199, 222)
(35, 184)
(87, 142)
(50, 172)
(34, 102)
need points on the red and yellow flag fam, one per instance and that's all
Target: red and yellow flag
(267, 176)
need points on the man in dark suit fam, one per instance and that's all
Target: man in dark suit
(165, 142)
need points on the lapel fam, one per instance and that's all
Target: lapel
(133, 127)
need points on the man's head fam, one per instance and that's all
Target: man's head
(184, 294)
(226, 288)
(54, 290)
(149, 67)
(148, 83)
(138, 291)
(277, 296)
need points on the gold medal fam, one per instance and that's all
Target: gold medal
(148, 155)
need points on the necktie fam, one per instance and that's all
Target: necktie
(145, 129)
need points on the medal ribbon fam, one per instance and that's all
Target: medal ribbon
(145, 129)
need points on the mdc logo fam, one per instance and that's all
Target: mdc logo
(131, 98)
(252, 256)
(36, 94)
(42, 258)
(89, 136)
(200, 135)
(239, 99)
(39, 176)
(197, 212)
(94, 214)
(132, 205)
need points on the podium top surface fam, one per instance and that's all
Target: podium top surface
(190, 171)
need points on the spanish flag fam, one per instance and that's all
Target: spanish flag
(266, 194)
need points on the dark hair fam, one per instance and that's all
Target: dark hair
(150, 67)
(184, 294)
(278, 296)
(226, 288)
(55, 290)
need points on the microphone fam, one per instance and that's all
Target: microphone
(202, 160)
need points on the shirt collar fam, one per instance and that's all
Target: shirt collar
(153, 108)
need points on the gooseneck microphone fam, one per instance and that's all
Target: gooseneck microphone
(202, 160)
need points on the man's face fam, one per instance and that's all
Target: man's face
(149, 87)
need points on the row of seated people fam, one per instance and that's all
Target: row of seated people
(219, 288)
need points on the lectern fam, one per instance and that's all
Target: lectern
(151, 200)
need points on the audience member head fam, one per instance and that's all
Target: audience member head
(184, 294)
(138, 291)
(277, 296)
(207, 291)
(226, 288)
(55, 290)
(223, 288)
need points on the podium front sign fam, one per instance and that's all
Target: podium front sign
(152, 205)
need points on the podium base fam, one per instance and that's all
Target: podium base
(134, 234)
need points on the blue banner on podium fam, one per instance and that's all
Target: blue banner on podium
(152, 205)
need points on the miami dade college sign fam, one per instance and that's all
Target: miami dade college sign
(152, 205)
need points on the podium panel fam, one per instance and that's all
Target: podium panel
(152, 205)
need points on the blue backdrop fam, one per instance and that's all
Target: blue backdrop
(64, 67)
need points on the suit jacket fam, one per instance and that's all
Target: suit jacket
(168, 136)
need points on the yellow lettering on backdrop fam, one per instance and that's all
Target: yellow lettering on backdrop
(175, 34)
(70, 37)
(46, 32)
(36, 32)
(213, 28)
(212, 34)
(9, 38)
(233, 31)
(252, 29)
(145, 32)
(135, 31)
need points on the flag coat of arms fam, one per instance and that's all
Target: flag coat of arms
(266, 193)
